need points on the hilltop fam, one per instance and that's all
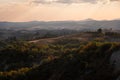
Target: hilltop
(88, 24)
(82, 37)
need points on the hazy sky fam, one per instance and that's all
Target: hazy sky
(52, 10)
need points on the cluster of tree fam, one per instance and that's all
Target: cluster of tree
(113, 34)
(33, 34)
(77, 61)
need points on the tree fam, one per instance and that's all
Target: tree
(99, 30)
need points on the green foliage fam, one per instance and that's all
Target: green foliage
(68, 61)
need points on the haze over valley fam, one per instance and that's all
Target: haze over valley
(87, 24)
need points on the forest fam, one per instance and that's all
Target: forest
(72, 60)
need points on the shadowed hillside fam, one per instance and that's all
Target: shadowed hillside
(58, 61)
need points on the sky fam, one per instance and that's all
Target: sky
(58, 10)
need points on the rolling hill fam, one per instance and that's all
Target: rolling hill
(81, 37)
(88, 24)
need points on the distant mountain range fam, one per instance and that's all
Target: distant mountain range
(51, 25)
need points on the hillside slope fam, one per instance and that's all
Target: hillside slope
(81, 37)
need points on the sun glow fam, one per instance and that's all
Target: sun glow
(24, 11)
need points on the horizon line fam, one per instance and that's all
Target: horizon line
(88, 19)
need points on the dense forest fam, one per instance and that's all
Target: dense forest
(72, 60)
